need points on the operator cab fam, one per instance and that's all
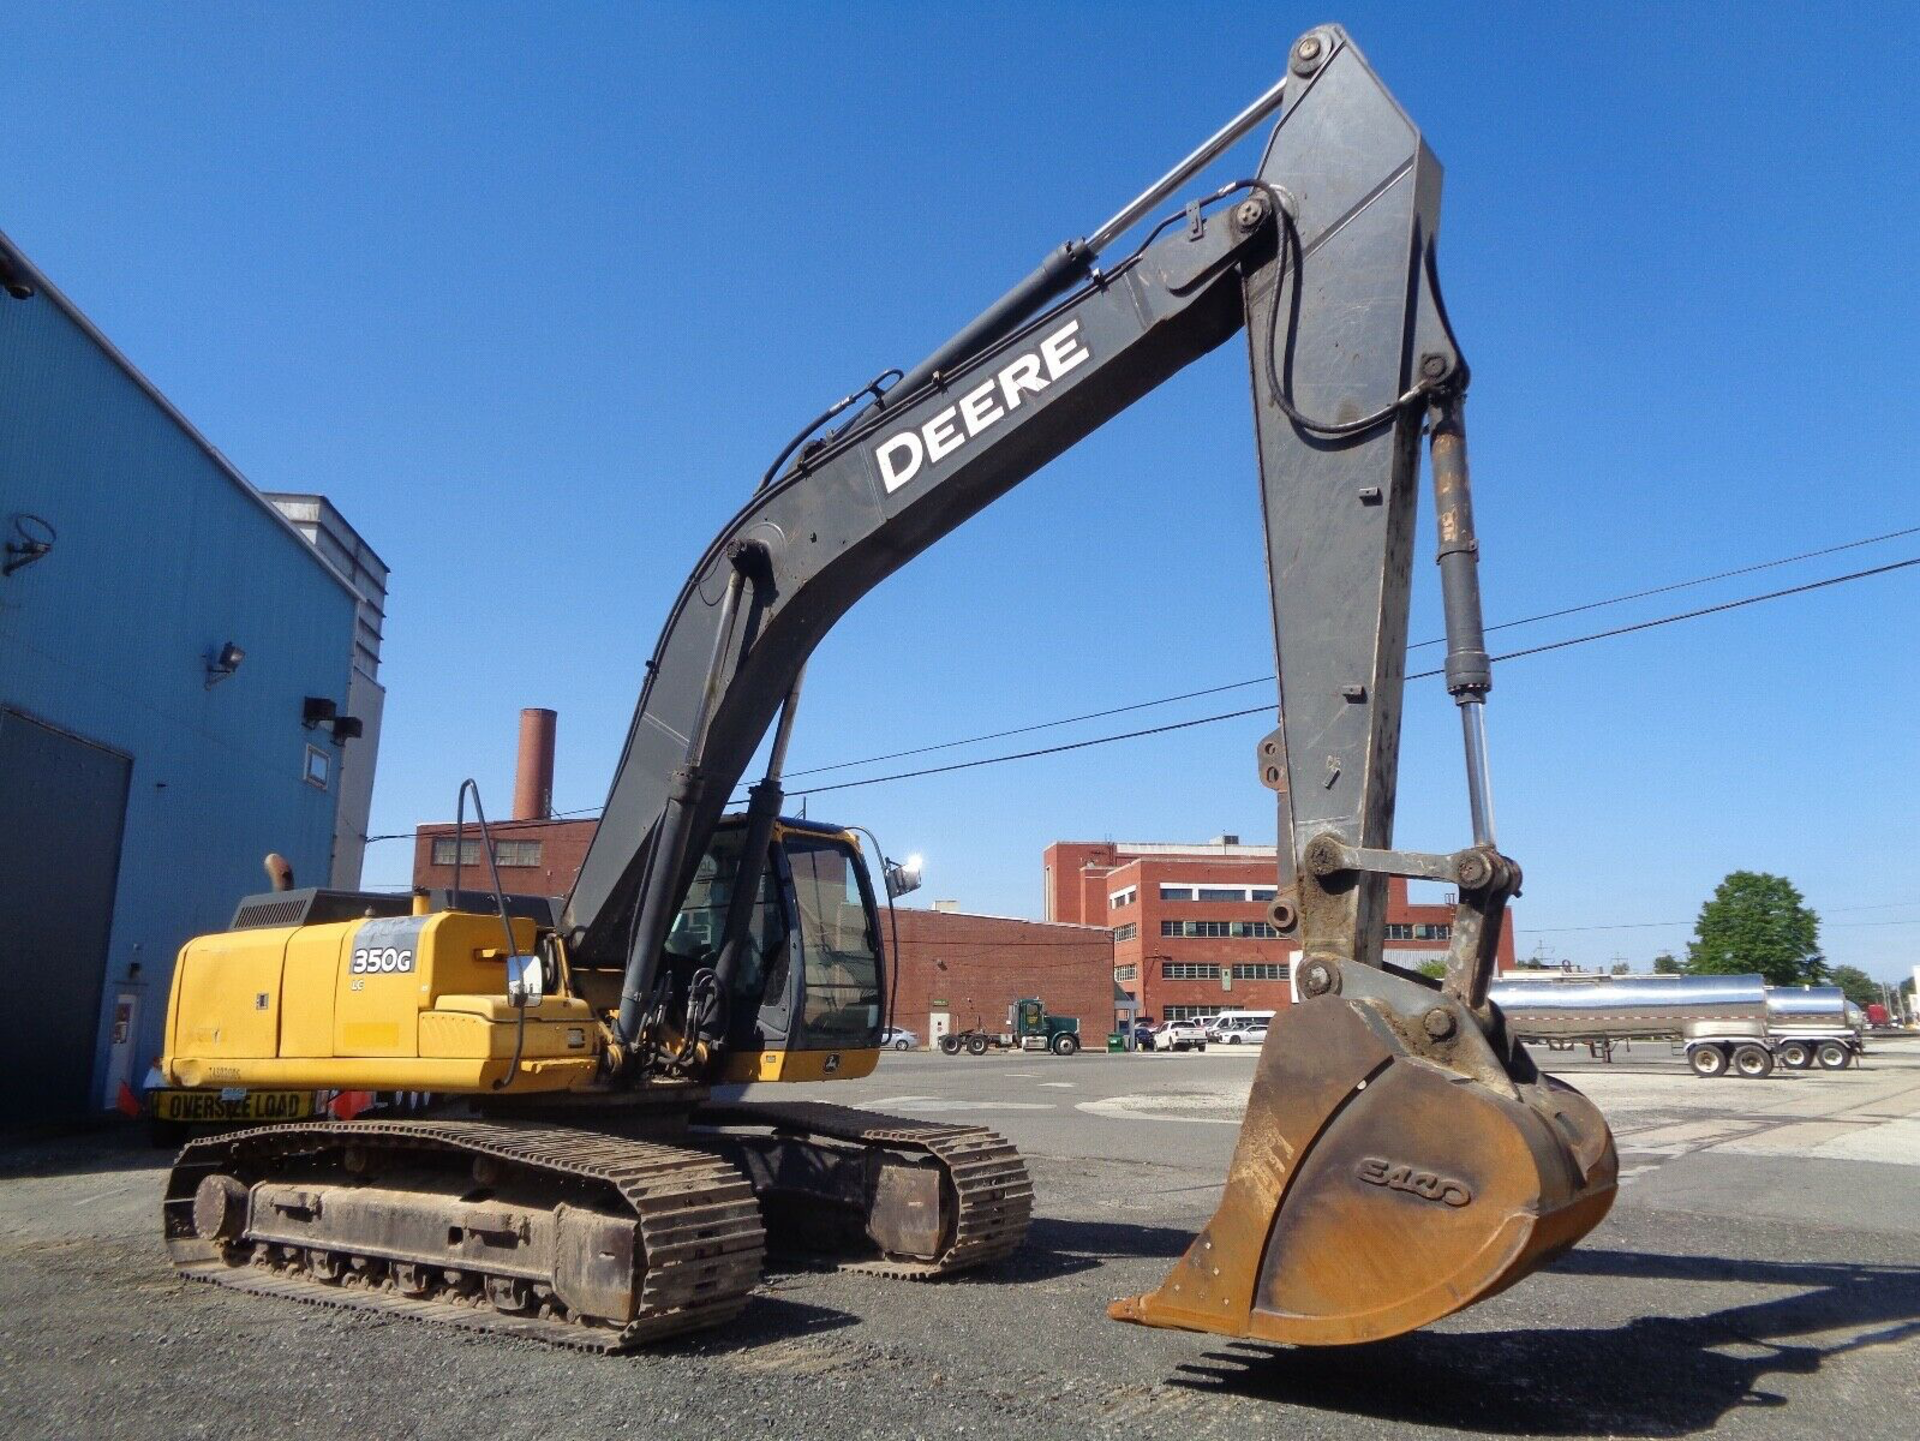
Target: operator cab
(810, 981)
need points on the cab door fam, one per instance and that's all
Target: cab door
(834, 992)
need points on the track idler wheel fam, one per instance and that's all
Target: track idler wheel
(1398, 1162)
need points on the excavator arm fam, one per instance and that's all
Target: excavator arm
(1326, 256)
(1400, 1158)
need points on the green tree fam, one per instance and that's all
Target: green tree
(1437, 970)
(1860, 988)
(1664, 964)
(1757, 922)
(1622, 968)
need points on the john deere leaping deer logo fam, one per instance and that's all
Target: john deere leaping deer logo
(1427, 1185)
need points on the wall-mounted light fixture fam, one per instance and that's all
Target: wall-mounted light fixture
(348, 728)
(223, 663)
(317, 710)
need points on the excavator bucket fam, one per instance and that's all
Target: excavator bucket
(1386, 1175)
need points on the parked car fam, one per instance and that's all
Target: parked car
(1143, 1036)
(1181, 1036)
(1238, 1032)
(899, 1038)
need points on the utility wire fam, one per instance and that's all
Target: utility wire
(1268, 679)
(1418, 675)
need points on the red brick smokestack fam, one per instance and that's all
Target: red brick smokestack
(533, 775)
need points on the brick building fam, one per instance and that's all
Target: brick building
(538, 855)
(956, 969)
(1190, 929)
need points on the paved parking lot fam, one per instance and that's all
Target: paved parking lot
(1760, 1276)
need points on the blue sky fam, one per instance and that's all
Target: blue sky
(535, 293)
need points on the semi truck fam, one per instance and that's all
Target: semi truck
(1029, 1028)
(1734, 1025)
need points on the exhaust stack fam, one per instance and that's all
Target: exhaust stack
(533, 773)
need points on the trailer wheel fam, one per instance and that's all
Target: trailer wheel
(1065, 1045)
(949, 1045)
(1753, 1062)
(976, 1045)
(1834, 1056)
(1796, 1055)
(1708, 1060)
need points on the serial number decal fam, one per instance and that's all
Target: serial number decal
(380, 960)
(1427, 1185)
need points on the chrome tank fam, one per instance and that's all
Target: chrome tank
(1813, 1008)
(1632, 1007)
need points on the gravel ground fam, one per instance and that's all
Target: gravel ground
(1758, 1277)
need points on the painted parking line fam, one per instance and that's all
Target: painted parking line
(941, 1103)
(1226, 1110)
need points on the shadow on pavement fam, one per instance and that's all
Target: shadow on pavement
(1655, 1376)
(113, 1146)
(768, 1317)
(1059, 1247)
(1054, 1247)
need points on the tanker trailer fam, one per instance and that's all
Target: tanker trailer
(1721, 1020)
(1815, 1023)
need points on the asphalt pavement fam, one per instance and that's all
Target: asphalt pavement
(1759, 1277)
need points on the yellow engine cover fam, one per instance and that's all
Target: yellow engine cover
(405, 1003)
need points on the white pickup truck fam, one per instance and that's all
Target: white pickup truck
(1180, 1036)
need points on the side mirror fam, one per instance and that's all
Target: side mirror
(526, 983)
(902, 876)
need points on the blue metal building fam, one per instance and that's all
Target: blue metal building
(175, 665)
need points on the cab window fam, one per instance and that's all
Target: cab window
(841, 965)
(699, 928)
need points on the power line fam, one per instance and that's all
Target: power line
(1418, 675)
(1417, 645)
(1268, 679)
(493, 827)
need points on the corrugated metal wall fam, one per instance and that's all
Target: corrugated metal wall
(162, 556)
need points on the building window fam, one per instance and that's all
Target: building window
(1261, 893)
(1220, 893)
(319, 767)
(1435, 931)
(1188, 971)
(1176, 893)
(1261, 971)
(1220, 930)
(443, 852)
(1188, 1013)
(1125, 973)
(505, 853)
(1399, 932)
(1126, 932)
(1123, 898)
(517, 853)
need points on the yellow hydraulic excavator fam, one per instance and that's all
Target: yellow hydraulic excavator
(576, 1178)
